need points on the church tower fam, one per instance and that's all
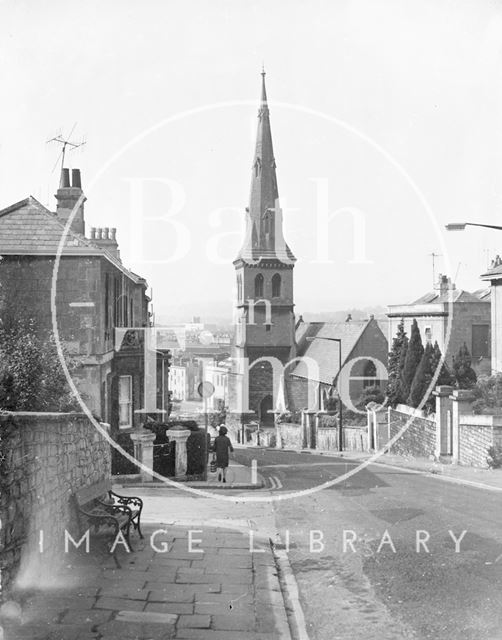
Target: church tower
(265, 321)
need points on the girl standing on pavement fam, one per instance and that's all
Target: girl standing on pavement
(222, 446)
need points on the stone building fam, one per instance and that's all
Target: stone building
(364, 351)
(494, 277)
(265, 321)
(470, 321)
(96, 299)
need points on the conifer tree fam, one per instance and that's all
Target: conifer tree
(445, 375)
(422, 378)
(465, 376)
(414, 354)
(395, 364)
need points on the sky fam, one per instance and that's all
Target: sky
(385, 120)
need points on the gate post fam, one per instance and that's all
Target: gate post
(443, 411)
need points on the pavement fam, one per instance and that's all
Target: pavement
(489, 479)
(205, 569)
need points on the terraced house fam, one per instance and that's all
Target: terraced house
(96, 298)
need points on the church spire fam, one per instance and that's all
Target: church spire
(264, 218)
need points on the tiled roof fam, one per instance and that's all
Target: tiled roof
(29, 228)
(325, 352)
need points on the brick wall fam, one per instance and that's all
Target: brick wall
(419, 439)
(46, 457)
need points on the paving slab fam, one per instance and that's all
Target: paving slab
(164, 596)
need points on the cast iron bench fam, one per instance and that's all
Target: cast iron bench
(102, 507)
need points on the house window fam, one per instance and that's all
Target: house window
(268, 327)
(276, 286)
(428, 334)
(370, 374)
(480, 341)
(258, 286)
(125, 402)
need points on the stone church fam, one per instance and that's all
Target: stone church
(265, 320)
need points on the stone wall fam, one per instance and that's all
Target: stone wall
(45, 458)
(355, 438)
(327, 438)
(289, 435)
(477, 433)
(419, 439)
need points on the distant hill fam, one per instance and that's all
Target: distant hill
(341, 316)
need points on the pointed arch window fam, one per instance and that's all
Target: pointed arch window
(257, 167)
(258, 286)
(239, 287)
(276, 286)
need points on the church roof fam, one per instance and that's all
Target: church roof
(29, 228)
(317, 340)
(264, 239)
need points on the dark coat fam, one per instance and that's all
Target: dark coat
(221, 447)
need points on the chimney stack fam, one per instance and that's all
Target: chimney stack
(445, 284)
(67, 197)
(105, 238)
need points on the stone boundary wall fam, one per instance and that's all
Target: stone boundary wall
(477, 433)
(327, 438)
(419, 439)
(355, 438)
(289, 435)
(45, 458)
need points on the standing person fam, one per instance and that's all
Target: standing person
(222, 446)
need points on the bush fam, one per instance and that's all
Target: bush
(488, 394)
(31, 375)
(371, 394)
(494, 458)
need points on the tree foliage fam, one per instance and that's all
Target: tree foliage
(488, 394)
(371, 394)
(412, 360)
(465, 376)
(423, 377)
(445, 376)
(395, 364)
(31, 375)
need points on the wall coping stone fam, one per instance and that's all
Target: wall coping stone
(34, 416)
(480, 420)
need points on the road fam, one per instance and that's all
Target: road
(382, 585)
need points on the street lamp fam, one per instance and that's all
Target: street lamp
(340, 431)
(460, 226)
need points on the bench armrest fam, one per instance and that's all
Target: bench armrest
(134, 500)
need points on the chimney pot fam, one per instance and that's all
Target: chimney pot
(105, 233)
(113, 233)
(75, 179)
(93, 233)
(98, 233)
(65, 179)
